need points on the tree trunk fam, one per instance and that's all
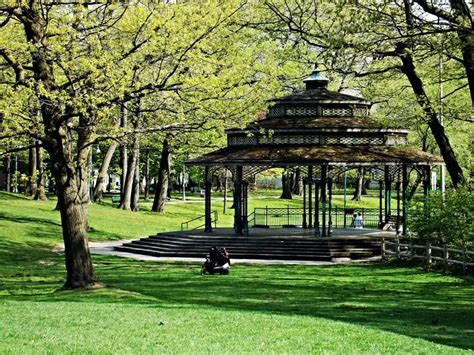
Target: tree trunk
(104, 167)
(297, 188)
(32, 170)
(8, 173)
(80, 272)
(359, 185)
(414, 187)
(136, 181)
(286, 185)
(126, 202)
(40, 193)
(437, 129)
(161, 191)
(147, 176)
(123, 154)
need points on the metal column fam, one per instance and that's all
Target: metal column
(305, 224)
(388, 193)
(324, 170)
(207, 201)
(380, 203)
(238, 200)
(330, 207)
(317, 230)
(310, 197)
(405, 200)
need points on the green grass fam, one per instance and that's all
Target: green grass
(168, 307)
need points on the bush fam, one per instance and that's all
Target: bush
(447, 220)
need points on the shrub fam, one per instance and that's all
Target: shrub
(445, 220)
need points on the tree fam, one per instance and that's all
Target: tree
(79, 64)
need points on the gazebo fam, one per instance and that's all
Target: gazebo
(323, 134)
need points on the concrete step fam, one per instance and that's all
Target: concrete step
(265, 256)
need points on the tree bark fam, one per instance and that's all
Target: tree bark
(286, 185)
(123, 154)
(136, 181)
(32, 170)
(104, 167)
(80, 272)
(8, 173)
(359, 185)
(297, 188)
(126, 202)
(40, 193)
(161, 191)
(147, 176)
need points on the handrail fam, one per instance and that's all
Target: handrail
(215, 219)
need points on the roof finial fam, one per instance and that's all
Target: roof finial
(316, 80)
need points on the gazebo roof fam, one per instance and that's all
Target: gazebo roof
(321, 95)
(331, 155)
(328, 124)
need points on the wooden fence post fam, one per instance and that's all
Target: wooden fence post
(445, 255)
(412, 250)
(428, 255)
(397, 251)
(383, 248)
(464, 260)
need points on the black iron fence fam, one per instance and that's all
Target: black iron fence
(294, 217)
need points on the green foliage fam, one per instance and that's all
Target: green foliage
(445, 219)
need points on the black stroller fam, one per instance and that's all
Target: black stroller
(217, 262)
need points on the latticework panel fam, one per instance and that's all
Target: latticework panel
(301, 111)
(336, 111)
(242, 140)
(360, 111)
(277, 111)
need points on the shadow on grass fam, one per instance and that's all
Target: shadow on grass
(401, 300)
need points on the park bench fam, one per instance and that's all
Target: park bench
(116, 199)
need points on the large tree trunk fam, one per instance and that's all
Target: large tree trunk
(297, 183)
(40, 193)
(161, 191)
(8, 172)
(80, 272)
(32, 170)
(104, 167)
(286, 185)
(359, 185)
(437, 129)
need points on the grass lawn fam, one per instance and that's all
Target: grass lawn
(168, 307)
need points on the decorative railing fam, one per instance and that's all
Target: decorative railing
(185, 225)
(294, 217)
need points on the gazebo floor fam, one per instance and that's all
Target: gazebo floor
(264, 243)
